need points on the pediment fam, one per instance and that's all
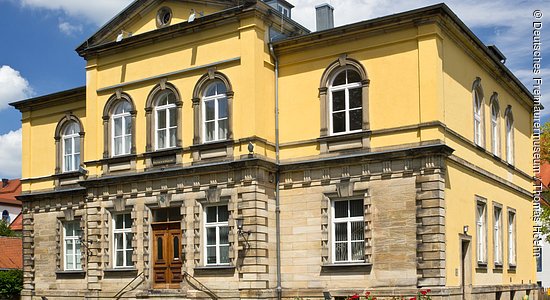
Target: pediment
(149, 15)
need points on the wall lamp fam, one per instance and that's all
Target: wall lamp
(241, 232)
(465, 229)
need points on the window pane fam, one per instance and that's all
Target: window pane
(222, 108)
(161, 119)
(355, 119)
(172, 133)
(356, 208)
(340, 79)
(161, 139)
(211, 255)
(119, 258)
(171, 97)
(129, 236)
(224, 235)
(69, 262)
(357, 230)
(209, 107)
(339, 122)
(341, 232)
(173, 116)
(68, 146)
(341, 251)
(338, 100)
(210, 131)
(223, 214)
(159, 248)
(76, 161)
(176, 247)
(119, 221)
(127, 144)
(211, 236)
(220, 88)
(222, 129)
(211, 214)
(76, 142)
(119, 243)
(118, 126)
(224, 254)
(127, 221)
(69, 247)
(128, 125)
(341, 209)
(353, 76)
(129, 258)
(68, 164)
(357, 251)
(118, 145)
(210, 90)
(355, 98)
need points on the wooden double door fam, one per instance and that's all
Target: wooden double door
(167, 260)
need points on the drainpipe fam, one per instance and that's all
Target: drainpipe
(277, 175)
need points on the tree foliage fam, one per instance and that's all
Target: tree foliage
(5, 229)
(11, 284)
(545, 143)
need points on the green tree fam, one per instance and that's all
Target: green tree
(545, 143)
(11, 284)
(5, 229)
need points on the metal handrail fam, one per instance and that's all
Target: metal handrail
(198, 285)
(122, 291)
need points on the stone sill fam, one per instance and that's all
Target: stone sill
(227, 270)
(120, 272)
(76, 274)
(346, 267)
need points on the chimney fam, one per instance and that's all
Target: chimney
(5, 182)
(324, 14)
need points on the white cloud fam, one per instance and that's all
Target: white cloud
(98, 12)
(10, 152)
(14, 86)
(70, 29)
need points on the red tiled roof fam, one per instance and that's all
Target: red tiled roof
(12, 253)
(17, 224)
(8, 193)
(545, 174)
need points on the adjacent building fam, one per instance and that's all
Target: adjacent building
(221, 150)
(9, 205)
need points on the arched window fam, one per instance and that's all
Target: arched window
(346, 109)
(71, 147)
(212, 107)
(69, 141)
(344, 98)
(477, 93)
(509, 119)
(166, 121)
(121, 130)
(163, 111)
(6, 216)
(215, 113)
(495, 125)
(119, 120)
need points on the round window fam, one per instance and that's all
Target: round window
(164, 16)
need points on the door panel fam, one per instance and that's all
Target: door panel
(167, 260)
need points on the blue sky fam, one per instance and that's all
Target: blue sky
(38, 38)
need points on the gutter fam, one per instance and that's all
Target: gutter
(279, 288)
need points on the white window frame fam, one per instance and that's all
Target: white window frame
(122, 118)
(349, 241)
(495, 129)
(497, 235)
(512, 250)
(218, 244)
(75, 239)
(509, 138)
(169, 108)
(74, 138)
(216, 98)
(478, 118)
(121, 231)
(344, 87)
(283, 10)
(481, 232)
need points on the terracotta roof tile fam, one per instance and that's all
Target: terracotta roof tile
(12, 253)
(8, 192)
(17, 224)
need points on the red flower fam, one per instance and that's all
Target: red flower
(367, 294)
(429, 290)
(423, 292)
(354, 297)
(413, 298)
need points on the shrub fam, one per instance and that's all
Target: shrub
(11, 284)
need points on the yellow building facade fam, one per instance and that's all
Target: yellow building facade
(221, 150)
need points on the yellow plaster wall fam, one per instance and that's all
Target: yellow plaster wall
(461, 187)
